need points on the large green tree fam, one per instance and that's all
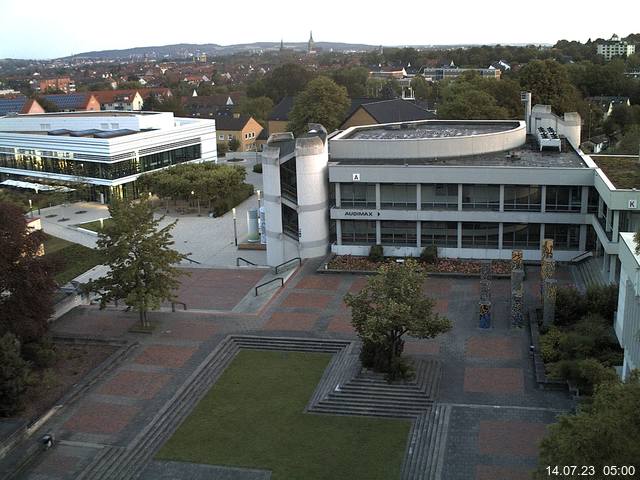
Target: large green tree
(602, 433)
(26, 278)
(142, 264)
(549, 83)
(258, 108)
(391, 305)
(288, 79)
(323, 101)
(14, 374)
(353, 79)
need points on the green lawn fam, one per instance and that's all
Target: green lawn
(95, 225)
(72, 259)
(253, 417)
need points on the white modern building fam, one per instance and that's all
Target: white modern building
(627, 321)
(106, 150)
(614, 47)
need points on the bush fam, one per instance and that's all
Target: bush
(257, 168)
(222, 148)
(585, 374)
(570, 306)
(550, 345)
(14, 375)
(429, 254)
(234, 144)
(376, 253)
(42, 354)
(239, 195)
(602, 299)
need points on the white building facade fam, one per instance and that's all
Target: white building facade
(614, 47)
(107, 151)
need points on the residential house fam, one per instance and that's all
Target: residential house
(208, 106)
(608, 103)
(74, 102)
(64, 84)
(386, 111)
(241, 127)
(124, 100)
(19, 104)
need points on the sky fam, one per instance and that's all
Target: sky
(41, 29)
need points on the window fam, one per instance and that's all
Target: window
(221, 137)
(565, 237)
(521, 235)
(480, 235)
(441, 234)
(115, 126)
(398, 233)
(481, 197)
(358, 195)
(358, 232)
(594, 197)
(439, 196)
(563, 199)
(400, 195)
(522, 198)
(229, 137)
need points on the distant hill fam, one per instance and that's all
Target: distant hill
(184, 49)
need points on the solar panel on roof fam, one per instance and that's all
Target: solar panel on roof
(12, 105)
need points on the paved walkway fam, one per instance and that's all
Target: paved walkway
(497, 413)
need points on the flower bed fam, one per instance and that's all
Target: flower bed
(441, 266)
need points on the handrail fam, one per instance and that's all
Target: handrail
(581, 256)
(173, 306)
(288, 261)
(192, 261)
(244, 260)
(270, 281)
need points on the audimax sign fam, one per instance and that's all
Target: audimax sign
(361, 213)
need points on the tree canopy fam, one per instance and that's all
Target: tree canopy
(549, 83)
(141, 262)
(286, 80)
(323, 101)
(354, 79)
(391, 305)
(258, 108)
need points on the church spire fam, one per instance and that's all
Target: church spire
(311, 47)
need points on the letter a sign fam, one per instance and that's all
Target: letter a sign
(356, 177)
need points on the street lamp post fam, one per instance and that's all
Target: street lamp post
(258, 192)
(235, 226)
(30, 208)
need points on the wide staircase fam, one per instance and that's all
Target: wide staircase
(589, 272)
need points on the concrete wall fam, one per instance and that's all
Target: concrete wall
(272, 205)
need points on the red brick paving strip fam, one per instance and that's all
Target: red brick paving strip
(101, 418)
(358, 284)
(309, 300)
(492, 472)
(183, 329)
(510, 438)
(493, 347)
(422, 347)
(94, 322)
(165, 355)
(340, 324)
(493, 380)
(135, 384)
(320, 282)
(58, 465)
(291, 321)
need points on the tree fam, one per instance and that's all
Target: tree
(141, 261)
(286, 80)
(630, 142)
(259, 108)
(47, 105)
(26, 278)
(222, 148)
(14, 375)
(602, 433)
(421, 88)
(234, 144)
(323, 101)
(353, 79)
(391, 305)
(549, 83)
(469, 105)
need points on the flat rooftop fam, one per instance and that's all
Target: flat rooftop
(527, 155)
(101, 113)
(624, 172)
(430, 129)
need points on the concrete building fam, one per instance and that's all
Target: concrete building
(627, 321)
(107, 151)
(64, 84)
(451, 71)
(614, 47)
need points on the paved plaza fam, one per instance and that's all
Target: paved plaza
(498, 415)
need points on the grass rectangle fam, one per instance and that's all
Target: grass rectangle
(72, 259)
(95, 225)
(253, 417)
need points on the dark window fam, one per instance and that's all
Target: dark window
(358, 232)
(439, 196)
(290, 222)
(522, 198)
(593, 201)
(563, 199)
(441, 234)
(398, 233)
(288, 180)
(481, 197)
(359, 195)
(398, 195)
(565, 237)
(521, 235)
(480, 235)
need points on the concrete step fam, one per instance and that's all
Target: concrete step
(369, 412)
(371, 400)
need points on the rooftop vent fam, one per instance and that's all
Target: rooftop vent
(547, 137)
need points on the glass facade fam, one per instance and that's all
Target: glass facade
(565, 237)
(290, 222)
(563, 199)
(481, 197)
(398, 233)
(521, 235)
(439, 196)
(360, 195)
(289, 180)
(358, 232)
(64, 164)
(593, 200)
(522, 198)
(398, 195)
(480, 235)
(441, 234)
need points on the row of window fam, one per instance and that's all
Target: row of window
(109, 171)
(444, 196)
(445, 234)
